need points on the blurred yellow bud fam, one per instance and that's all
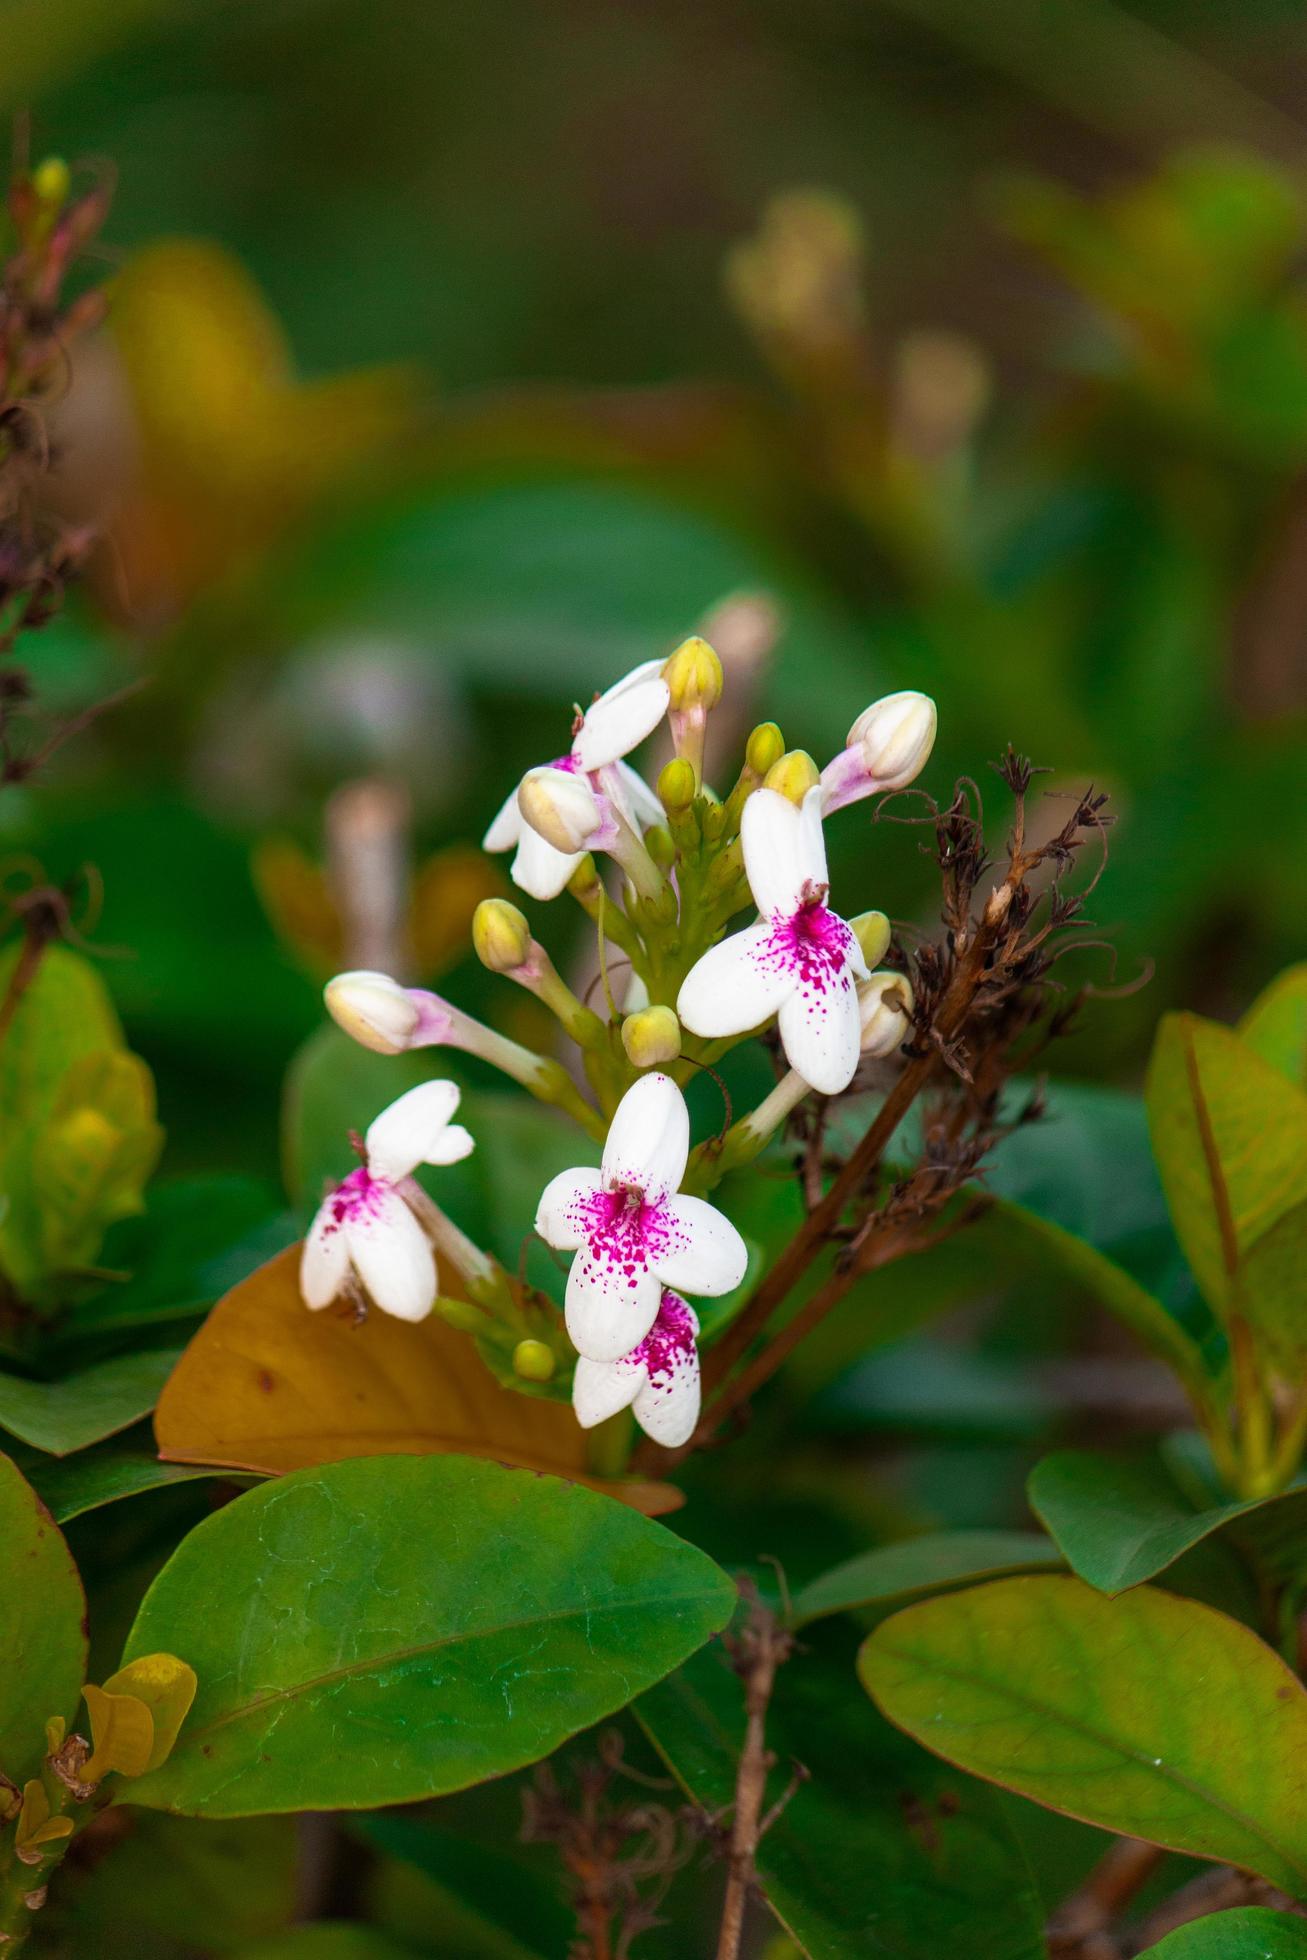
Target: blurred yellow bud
(51, 181)
(373, 1009)
(693, 676)
(533, 1361)
(765, 748)
(461, 1314)
(873, 933)
(794, 775)
(55, 1731)
(501, 935)
(651, 1036)
(658, 843)
(677, 786)
(166, 1686)
(800, 278)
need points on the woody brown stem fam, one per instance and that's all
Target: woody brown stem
(762, 1647)
(1081, 1927)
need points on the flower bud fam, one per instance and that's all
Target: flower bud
(765, 748)
(658, 842)
(651, 1036)
(794, 775)
(895, 735)
(461, 1314)
(694, 677)
(374, 1009)
(677, 786)
(873, 933)
(533, 1361)
(562, 807)
(51, 181)
(885, 1007)
(501, 935)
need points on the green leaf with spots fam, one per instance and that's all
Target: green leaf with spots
(389, 1628)
(1149, 1715)
(1251, 1933)
(42, 1625)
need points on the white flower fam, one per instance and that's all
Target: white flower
(593, 768)
(632, 1234)
(888, 745)
(364, 1231)
(658, 1380)
(800, 961)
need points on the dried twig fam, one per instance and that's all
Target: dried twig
(757, 1651)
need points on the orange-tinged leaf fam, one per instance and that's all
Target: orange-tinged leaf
(266, 1385)
(122, 1734)
(167, 1687)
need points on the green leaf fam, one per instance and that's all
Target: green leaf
(389, 1628)
(1275, 1288)
(63, 1017)
(170, 1884)
(328, 1940)
(1230, 1134)
(931, 1564)
(68, 1486)
(1149, 1715)
(1250, 1933)
(196, 1238)
(469, 1847)
(93, 1155)
(42, 1626)
(1275, 1026)
(882, 1852)
(67, 1415)
(1120, 1523)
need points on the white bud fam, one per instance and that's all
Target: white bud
(374, 1009)
(895, 735)
(561, 807)
(885, 1009)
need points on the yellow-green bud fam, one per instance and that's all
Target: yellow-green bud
(658, 843)
(765, 748)
(51, 181)
(794, 775)
(651, 1036)
(533, 1361)
(462, 1315)
(501, 935)
(873, 932)
(693, 676)
(677, 786)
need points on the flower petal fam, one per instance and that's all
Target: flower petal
(633, 796)
(393, 1258)
(405, 1134)
(821, 1031)
(562, 1216)
(608, 1311)
(538, 868)
(707, 1254)
(621, 718)
(812, 841)
(452, 1145)
(601, 1388)
(648, 1138)
(667, 1409)
(773, 852)
(507, 827)
(737, 985)
(324, 1262)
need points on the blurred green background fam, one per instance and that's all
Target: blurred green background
(461, 357)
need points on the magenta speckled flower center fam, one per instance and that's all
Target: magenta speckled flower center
(623, 1233)
(669, 1344)
(811, 944)
(359, 1196)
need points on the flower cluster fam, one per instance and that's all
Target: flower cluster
(643, 1237)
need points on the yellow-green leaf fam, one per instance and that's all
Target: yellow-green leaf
(167, 1688)
(93, 1156)
(1276, 1024)
(1230, 1136)
(122, 1734)
(1147, 1714)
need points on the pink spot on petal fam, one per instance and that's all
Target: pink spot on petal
(669, 1344)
